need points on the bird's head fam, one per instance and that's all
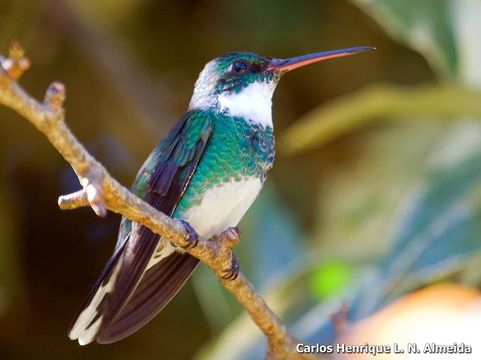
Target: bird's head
(242, 83)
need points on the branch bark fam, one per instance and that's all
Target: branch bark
(102, 192)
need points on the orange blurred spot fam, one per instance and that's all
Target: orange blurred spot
(443, 314)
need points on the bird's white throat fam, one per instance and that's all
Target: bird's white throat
(253, 103)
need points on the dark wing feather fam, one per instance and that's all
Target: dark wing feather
(161, 181)
(157, 287)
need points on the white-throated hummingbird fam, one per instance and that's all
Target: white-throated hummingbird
(207, 171)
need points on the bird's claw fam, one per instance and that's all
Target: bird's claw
(233, 271)
(230, 236)
(192, 238)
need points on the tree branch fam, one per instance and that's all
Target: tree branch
(102, 193)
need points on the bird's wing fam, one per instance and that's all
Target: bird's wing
(161, 182)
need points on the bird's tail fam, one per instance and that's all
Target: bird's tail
(101, 318)
(157, 287)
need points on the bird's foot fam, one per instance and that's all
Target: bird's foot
(192, 238)
(230, 237)
(233, 271)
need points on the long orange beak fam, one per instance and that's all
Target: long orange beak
(286, 65)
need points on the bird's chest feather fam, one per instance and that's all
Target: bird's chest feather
(229, 176)
(222, 206)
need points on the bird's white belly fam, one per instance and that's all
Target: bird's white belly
(223, 206)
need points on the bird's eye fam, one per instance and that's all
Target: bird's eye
(239, 67)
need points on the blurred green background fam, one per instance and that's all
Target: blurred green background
(376, 189)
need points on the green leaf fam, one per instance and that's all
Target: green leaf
(441, 231)
(443, 31)
(438, 230)
(426, 26)
(377, 103)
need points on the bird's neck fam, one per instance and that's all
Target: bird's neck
(253, 103)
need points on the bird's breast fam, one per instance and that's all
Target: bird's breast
(229, 176)
(222, 206)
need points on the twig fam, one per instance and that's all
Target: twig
(102, 193)
(340, 320)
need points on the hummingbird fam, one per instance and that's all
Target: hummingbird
(207, 172)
